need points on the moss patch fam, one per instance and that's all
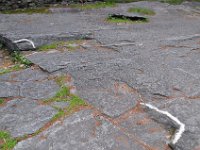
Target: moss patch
(69, 45)
(6, 141)
(27, 11)
(62, 95)
(97, 5)
(142, 11)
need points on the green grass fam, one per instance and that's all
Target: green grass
(62, 95)
(1, 101)
(142, 11)
(95, 5)
(172, 2)
(49, 46)
(57, 45)
(27, 11)
(6, 141)
(18, 58)
(16, 67)
(20, 63)
(111, 19)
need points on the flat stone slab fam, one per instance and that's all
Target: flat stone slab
(81, 131)
(29, 83)
(28, 74)
(147, 130)
(39, 90)
(9, 90)
(24, 116)
(14, 42)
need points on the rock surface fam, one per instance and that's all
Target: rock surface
(124, 64)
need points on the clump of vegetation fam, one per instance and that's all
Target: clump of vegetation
(124, 19)
(27, 11)
(69, 45)
(6, 141)
(16, 67)
(1, 101)
(17, 62)
(142, 11)
(63, 94)
(172, 2)
(20, 59)
(95, 5)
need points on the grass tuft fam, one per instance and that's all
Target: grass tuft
(142, 11)
(6, 141)
(18, 58)
(1, 101)
(20, 63)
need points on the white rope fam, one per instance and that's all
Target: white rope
(25, 40)
(181, 129)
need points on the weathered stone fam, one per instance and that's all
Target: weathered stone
(144, 128)
(39, 89)
(8, 89)
(60, 104)
(38, 40)
(24, 116)
(24, 75)
(78, 132)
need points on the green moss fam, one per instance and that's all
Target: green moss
(62, 95)
(76, 101)
(142, 11)
(57, 45)
(27, 11)
(49, 46)
(6, 141)
(111, 19)
(58, 115)
(1, 101)
(96, 5)
(63, 92)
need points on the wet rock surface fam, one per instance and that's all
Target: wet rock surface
(124, 64)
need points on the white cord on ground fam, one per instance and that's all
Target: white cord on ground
(181, 129)
(25, 40)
